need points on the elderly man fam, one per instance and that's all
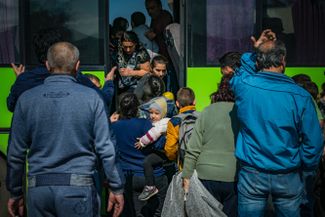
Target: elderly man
(280, 137)
(64, 127)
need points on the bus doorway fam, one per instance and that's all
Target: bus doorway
(166, 40)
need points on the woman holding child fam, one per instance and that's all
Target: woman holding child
(127, 130)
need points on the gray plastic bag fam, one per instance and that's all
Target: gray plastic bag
(199, 202)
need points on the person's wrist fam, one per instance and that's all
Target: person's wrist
(16, 197)
(117, 191)
(131, 72)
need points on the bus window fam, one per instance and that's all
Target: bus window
(217, 27)
(80, 22)
(300, 24)
(124, 8)
(9, 35)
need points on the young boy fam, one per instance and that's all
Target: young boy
(107, 92)
(157, 111)
(185, 101)
(94, 79)
(159, 66)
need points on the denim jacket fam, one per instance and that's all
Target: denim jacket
(279, 126)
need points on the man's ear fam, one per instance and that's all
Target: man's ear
(77, 65)
(47, 65)
(194, 102)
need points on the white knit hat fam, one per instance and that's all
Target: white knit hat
(160, 104)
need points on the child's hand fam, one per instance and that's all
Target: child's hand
(114, 117)
(138, 145)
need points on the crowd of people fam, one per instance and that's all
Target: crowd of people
(257, 148)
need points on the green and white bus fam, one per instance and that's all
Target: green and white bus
(207, 30)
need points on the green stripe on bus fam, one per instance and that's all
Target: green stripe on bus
(204, 80)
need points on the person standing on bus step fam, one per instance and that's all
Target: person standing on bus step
(159, 20)
(132, 61)
(138, 23)
(64, 127)
(280, 138)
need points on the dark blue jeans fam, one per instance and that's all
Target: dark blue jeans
(254, 187)
(225, 193)
(307, 208)
(63, 201)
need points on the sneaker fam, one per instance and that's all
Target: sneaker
(148, 192)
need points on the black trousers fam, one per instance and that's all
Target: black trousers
(225, 193)
(134, 207)
(152, 160)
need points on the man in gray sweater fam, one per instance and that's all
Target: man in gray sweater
(64, 127)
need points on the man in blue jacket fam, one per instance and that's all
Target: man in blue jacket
(280, 137)
(64, 127)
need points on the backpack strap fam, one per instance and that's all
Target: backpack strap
(182, 133)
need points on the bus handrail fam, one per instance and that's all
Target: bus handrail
(4, 130)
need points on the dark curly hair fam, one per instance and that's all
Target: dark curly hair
(312, 88)
(300, 79)
(129, 104)
(130, 36)
(152, 88)
(231, 59)
(224, 92)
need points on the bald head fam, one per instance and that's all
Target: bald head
(271, 55)
(63, 57)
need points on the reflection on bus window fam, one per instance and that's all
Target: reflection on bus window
(124, 8)
(78, 21)
(229, 26)
(300, 24)
(9, 40)
(221, 26)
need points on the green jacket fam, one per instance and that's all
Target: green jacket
(212, 144)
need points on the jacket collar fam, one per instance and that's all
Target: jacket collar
(273, 81)
(275, 76)
(60, 78)
(187, 108)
